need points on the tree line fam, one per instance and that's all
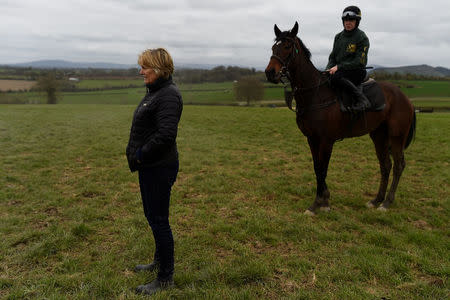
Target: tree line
(29, 73)
(181, 75)
(217, 74)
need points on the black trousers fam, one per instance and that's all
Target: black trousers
(156, 184)
(355, 76)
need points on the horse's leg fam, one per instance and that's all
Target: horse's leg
(399, 165)
(321, 152)
(381, 141)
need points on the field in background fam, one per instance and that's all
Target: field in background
(424, 88)
(424, 94)
(106, 84)
(72, 224)
(205, 93)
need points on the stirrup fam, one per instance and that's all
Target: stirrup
(360, 107)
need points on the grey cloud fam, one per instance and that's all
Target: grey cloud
(223, 5)
(225, 32)
(162, 6)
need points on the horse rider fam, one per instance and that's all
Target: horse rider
(347, 61)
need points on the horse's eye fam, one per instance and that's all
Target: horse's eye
(279, 43)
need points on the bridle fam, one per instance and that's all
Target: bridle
(284, 71)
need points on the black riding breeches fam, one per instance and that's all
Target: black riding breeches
(355, 76)
(156, 184)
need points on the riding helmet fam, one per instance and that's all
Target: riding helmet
(352, 13)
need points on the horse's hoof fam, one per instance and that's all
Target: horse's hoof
(325, 209)
(382, 208)
(370, 204)
(309, 213)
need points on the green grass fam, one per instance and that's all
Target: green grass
(205, 93)
(427, 93)
(222, 93)
(122, 96)
(424, 88)
(72, 224)
(435, 102)
(107, 83)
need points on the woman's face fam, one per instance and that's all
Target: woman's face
(149, 75)
(349, 24)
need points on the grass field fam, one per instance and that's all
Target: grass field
(206, 93)
(424, 88)
(72, 224)
(435, 102)
(100, 83)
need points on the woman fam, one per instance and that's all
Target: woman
(348, 59)
(152, 151)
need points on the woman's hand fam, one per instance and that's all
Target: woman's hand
(139, 156)
(333, 70)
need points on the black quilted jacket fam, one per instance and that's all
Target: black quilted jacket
(154, 127)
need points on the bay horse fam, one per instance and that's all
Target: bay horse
(319, 117)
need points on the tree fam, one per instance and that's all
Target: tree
(249, 89)
(50, 85)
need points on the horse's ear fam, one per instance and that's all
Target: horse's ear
(277, 30)
(294, 30)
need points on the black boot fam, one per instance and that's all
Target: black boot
(154, 265)
(361, 102)
(154, 286)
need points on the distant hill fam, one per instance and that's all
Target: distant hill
(198, 66)
(443, 71)
(63, 64)
(424, 70)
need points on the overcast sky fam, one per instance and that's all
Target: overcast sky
(233, 32)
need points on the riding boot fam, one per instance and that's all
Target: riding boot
(361, 103)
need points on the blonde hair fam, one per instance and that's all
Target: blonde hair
(157, 59)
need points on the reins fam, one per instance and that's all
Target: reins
(290, 95)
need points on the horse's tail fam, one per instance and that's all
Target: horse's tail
(412, 131)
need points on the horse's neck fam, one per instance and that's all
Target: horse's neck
(308, 81)
(305, 74)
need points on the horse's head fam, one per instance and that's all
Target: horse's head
(283, 51)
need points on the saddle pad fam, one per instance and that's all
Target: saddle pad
(373, 92)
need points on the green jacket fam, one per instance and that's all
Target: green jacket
(349, 50)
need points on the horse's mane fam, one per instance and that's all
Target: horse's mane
(304, 49)
(285, 34)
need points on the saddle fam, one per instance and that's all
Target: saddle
(371, 89)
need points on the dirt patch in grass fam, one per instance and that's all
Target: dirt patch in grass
(421, 224)
(16, 85)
